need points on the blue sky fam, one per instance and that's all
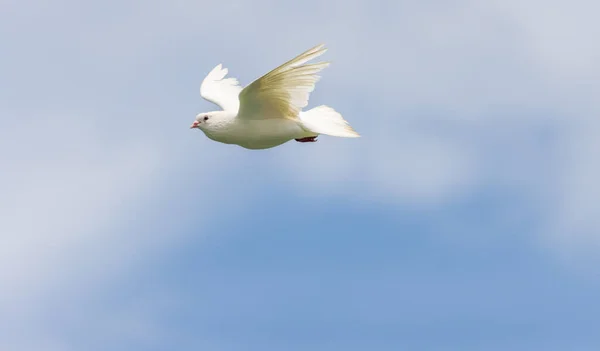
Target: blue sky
(465, 218)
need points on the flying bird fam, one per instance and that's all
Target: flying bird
(268, 112)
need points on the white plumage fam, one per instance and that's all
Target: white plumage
(220, 90)
(268, 112)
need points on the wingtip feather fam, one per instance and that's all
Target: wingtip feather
(217, 73)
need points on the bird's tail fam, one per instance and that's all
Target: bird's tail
(325, 120)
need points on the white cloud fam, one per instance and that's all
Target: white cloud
(63, 185)
(62, 189)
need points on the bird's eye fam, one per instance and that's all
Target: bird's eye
(206, 118)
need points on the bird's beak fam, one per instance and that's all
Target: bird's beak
(194, 125)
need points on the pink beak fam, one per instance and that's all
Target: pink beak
(194, 125)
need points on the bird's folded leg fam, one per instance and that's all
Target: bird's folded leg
(311, 139)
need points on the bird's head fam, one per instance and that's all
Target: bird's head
(213, 122)
(204, 120)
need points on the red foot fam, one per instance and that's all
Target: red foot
(307, 140)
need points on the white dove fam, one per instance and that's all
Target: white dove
(268, 112)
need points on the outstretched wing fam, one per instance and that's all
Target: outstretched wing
(220, 90)
(283, 92)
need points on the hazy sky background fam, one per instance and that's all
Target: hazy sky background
(467, 217)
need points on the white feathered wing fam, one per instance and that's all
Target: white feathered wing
(284, 91)
(221, 91)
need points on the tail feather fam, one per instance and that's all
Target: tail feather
(325, 120)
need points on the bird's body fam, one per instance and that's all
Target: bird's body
(267, 113)
(257, 134)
